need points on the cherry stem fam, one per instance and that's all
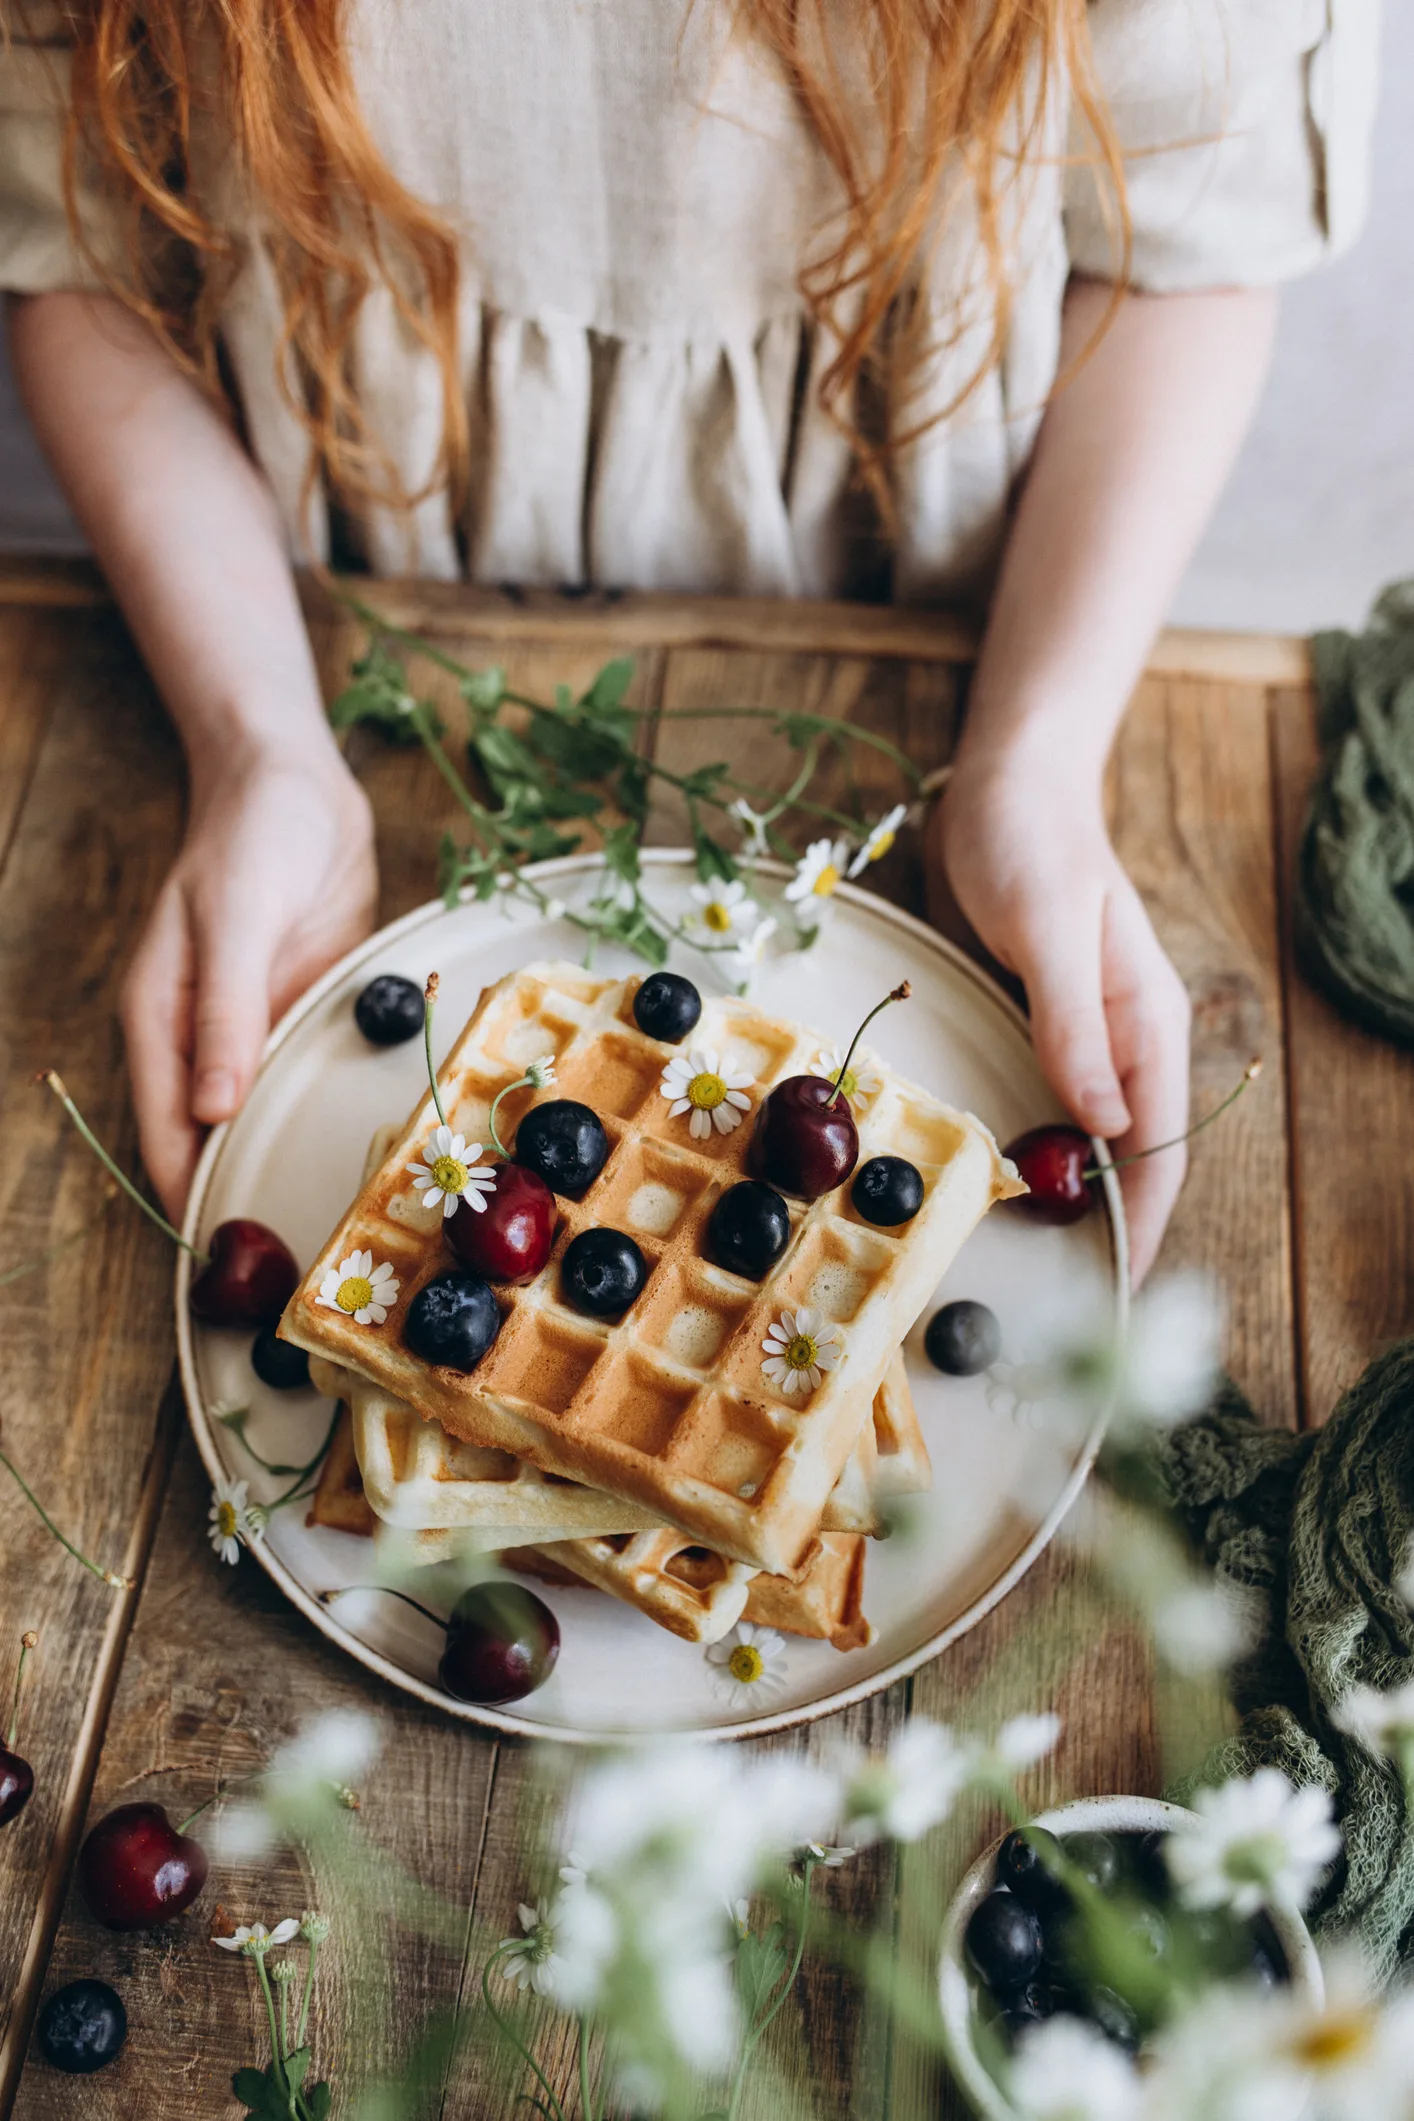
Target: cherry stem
(108, 1576)
(27, 1643)
(429, 1000)
(1118, 1163)
(222, 1789)
(387, 1591)
(899, 994)
(56, 1084)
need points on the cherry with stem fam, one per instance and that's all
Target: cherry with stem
(901, 993)
(501, 1640)
(16, 1775)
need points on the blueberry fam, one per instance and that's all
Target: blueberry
(1020, 1865)
(82, 2027)
(452, 1321)
(1095, 1857)
(603, 1271)
(748, 1229)
(389, 1010)
(564, 1143)
(278, 1363)
(962, 1338)
(1004, 1942)
(667, 1006)
(887, 1190)
(1147, 1864)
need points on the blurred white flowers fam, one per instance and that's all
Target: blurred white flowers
(1066, 2070)
(1255, 1842)
(911, 1788)
(1384, 1723)
(307, 1782)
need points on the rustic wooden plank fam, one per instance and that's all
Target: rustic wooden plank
(87, 1338)
(1352, 1138)
(33, 654)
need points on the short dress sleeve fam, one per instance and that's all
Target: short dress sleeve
(37, 248)
(1245, 127)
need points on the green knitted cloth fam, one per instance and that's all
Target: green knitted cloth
(1316, 1526)
(1355, 871)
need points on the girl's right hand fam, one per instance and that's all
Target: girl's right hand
(275, 881)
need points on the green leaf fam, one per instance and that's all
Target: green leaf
(631, 792)
(484, 689)
(296, 2067)
(621, 852)
(608, 686)
(703, 782)
(317, 2100)
(761, 1965)
(250, 2087)
(713, 860)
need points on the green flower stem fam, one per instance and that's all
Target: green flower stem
(496, 1142)
(586, 2096)
(308, 1992)
(27, 1643)
(756, 2033)
(284, 2020)
(429, 1003)
(75, 1237)
(297, 1490)
(108, 1576)
(276, 1471)
(277, 2060)
(512, 2039)
(55, 1083)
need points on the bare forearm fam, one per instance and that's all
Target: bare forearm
(1132, 455)
(183, 525)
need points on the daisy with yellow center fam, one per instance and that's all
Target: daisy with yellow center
(749, 1663)
(706, 1088)
(722, 908)
(360, 1290)
(234, 1521)
(880, 840)
(858, 1082)
(800, 1347)
(818, 875)
(450, 1173)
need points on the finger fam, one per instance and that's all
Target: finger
(234, 944)
(1149, 1017)
(1062, 969)
(156, 1012)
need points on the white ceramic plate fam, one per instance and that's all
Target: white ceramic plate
(293, 1159)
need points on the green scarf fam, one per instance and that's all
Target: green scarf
(1355, 871)
(1315, 1527)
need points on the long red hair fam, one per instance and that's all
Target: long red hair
(910, 101)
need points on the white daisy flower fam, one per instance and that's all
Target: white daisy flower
(825, 1855)
(818, 875)
(1256, 1842)
(902, 1794)
(539, 1073)
(753, 824)
(739, 1915)
(1384, 1723)
(799, 1347)
(530, 1961)
(747, 954)
(450, 1173)
(880, 839)
(749, 1663)
(861, 1081)
(255, 1940)
(1067, 2070)
(706, 1087)
(722, 907)
(362, 1291)
(234, 1520)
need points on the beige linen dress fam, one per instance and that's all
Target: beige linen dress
(637, 192)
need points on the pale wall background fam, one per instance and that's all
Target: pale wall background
(1320, 511)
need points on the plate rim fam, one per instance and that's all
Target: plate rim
(504, 1721)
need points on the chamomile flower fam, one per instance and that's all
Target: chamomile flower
(818, 875)
(529, 1961)
(450, 1173)
(704, 1085)
(880, 839)
(1066, 2070)
(859, 1082)
(753, 825)
(1256, 1842)
(722, 908)
(739, 1915)
(747, 954)
(364, 1292)
(749, 1663)
(255, 1940)
(905, 1792)
(234, 1520)
(1383, 1723)
(540, 1073)
(800, 1346)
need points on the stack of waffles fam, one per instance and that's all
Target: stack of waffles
(652, 1455)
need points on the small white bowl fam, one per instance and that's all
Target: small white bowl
(1097, 1815)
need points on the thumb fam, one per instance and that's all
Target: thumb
(232, 1012)
(1069, 1028)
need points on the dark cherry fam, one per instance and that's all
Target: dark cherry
(452, 1320)
(510, 1239)
(748, 1229)
(278, 1363)
(250, 1278)
(1021, 1866)
(389, 1010)
(1053, 1161)
(563, 1143)
(804, 1143)
(667, 1006)
(82, 2027)
(603, 1272)
(136, 1870)
(16, 1785)
(1096, 1857)
(962, 1338)
(502, 1642)
(1003, 1942)
(887, 1190)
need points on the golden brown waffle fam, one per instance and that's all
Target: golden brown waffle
(669, 1407)
(826, 1601)
(339, 1501)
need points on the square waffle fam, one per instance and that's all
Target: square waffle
(668, 1407)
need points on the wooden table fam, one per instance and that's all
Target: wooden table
(201, 1669)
